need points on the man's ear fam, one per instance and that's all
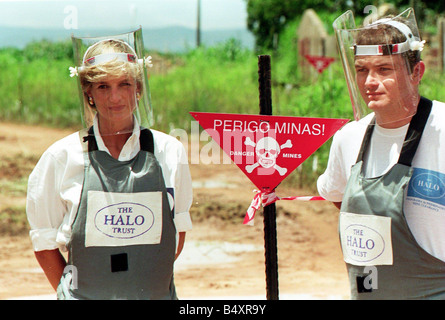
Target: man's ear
(418, 71)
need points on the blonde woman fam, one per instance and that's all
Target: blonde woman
(115, 195)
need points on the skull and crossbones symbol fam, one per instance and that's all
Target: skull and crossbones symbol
(267, 150)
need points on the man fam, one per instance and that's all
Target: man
(386, 171)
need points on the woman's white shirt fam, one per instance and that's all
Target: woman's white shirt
(55, 185)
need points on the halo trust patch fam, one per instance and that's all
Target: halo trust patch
(427, 189)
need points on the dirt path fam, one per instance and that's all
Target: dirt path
(221, 258)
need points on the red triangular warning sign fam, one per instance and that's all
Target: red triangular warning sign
(319, 62)
(267, 148)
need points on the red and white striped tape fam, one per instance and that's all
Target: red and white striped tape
(265, 198)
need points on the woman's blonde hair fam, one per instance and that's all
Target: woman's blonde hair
(113, 68)
(93, 73)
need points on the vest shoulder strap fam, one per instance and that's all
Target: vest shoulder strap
(415, 130)
(89, 143)
(146, 140)
(413, 135)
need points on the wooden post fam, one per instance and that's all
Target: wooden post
(270, 225)
(198, 25)
(441, 38)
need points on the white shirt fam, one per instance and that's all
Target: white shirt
(55, 185)
(424, 205)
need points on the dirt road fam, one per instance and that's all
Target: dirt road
(221, 258)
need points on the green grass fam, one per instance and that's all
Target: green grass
(13, 221)
(37, 89)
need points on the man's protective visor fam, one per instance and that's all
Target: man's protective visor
(378, 61)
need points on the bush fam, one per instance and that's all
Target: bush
(35, 87)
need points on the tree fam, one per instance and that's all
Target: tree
(267, 18)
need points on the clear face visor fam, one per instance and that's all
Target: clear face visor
(380, 62)
(113, 82)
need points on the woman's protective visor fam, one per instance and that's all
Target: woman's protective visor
(113, 81)
(379, 62)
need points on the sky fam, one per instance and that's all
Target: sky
(121, 14)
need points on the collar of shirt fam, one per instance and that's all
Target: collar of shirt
(131, 147)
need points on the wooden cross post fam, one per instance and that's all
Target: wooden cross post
(270, 224)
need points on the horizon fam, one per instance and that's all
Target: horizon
(162, 39)
(87, 14)
(55, 20)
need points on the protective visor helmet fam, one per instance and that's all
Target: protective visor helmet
(379, 61)
(113, 81)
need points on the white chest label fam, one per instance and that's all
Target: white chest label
(118, 219)
(366, 239)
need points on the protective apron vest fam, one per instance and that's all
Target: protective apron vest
(123, 237)
(383, 259)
